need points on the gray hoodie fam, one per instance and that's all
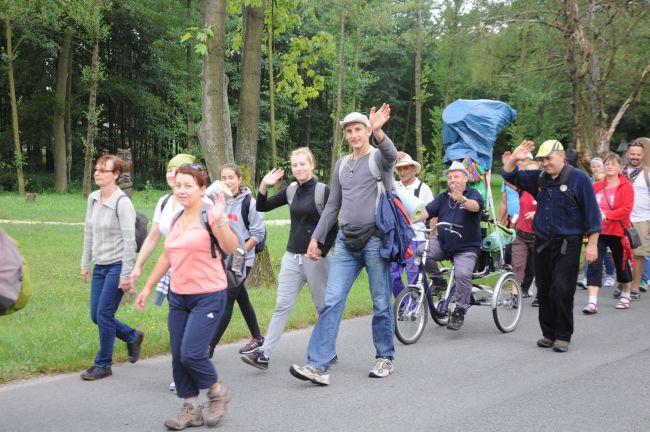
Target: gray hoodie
(256, 222)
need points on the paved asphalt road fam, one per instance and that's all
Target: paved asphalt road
(476, 379)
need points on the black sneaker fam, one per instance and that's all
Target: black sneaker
(617, 292)
(257, 359)
(133, 348)
(635, 295)
(96, 372)
(535, 302)
(457, 318)
(251, 346)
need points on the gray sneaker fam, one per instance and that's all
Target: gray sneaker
(189, 415)
(310, 373)
(216, 406)
(382, 368)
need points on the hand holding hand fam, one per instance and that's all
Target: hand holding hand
(313, 252)
(272, 177)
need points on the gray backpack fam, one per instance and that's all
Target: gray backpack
(15, 286)
(319, 195)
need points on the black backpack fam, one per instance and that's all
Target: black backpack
(141, 225)
(245, 209)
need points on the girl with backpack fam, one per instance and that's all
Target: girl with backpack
(197, 296)
(109, 239)
(306, 198)
(166, 208)
(247, 222)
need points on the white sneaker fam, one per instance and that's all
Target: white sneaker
(310, 373)
(172, 387)
(382, 368)
(609, 281)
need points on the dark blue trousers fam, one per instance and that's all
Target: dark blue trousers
(192, 321)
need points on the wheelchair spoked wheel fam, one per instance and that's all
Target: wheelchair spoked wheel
(410, 319)
(437, 302)
(507, 303)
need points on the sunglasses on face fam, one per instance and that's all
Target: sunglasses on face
(194, 166)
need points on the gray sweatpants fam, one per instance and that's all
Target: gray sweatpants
(295, 270)
(464, 264)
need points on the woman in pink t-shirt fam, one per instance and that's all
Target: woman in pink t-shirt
(197, 297)
(615, 196)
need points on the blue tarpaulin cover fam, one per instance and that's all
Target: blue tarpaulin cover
(470, 128)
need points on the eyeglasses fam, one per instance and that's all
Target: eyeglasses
(102, 170)
(194, 166)
(635, 144)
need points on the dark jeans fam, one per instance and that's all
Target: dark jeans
(595, 269)
(241, 295)
(192, 320)
(556, 270)
(105, 297)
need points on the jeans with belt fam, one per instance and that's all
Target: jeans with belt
(344, 270)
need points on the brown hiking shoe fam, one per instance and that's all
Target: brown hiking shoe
(216, 406)
(189, 415)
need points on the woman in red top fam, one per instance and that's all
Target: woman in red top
(615, 196)
(197, 297)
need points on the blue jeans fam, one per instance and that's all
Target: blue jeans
(344, 270)
(646, 270)
(192, 320)
(105, 297)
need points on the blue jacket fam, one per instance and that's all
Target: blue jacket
(396, 232)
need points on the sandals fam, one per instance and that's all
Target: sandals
(623, 303)
(590, 309)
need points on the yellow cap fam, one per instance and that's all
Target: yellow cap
(180, 159)
(549, 147)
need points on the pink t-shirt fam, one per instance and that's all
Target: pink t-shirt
(193, 270)
(605, 208)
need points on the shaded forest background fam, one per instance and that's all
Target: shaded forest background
(575, 70)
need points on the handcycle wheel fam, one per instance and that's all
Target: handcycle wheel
(507, 303)
(410, 319)
(437, 302)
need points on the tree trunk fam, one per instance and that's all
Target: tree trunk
(225, 122)
(336, 141)
(249, 94)
(262, 274)
(92, 122)
(274, 150)
(211, 131)
(188, 87)
(18, 153)
(573, 73)
(58, 119)
(68, 126)
(605, 135)
(418, 84)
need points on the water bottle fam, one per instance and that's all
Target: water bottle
(237, 264)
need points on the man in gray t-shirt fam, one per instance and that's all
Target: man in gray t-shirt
(353, 195)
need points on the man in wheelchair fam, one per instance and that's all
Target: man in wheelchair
(460, 205)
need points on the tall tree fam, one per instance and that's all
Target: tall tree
(249, 92)
(18, 153)
(212, 135)
(92, 121)
(418, 81)
(58, 118)
(336, 135)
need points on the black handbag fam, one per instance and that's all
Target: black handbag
(356, 237)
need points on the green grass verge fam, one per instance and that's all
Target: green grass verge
(54, 332)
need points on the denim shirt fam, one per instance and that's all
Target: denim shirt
(560, 213)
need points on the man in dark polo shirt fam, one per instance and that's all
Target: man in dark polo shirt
(460, 205)
(566, 210)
